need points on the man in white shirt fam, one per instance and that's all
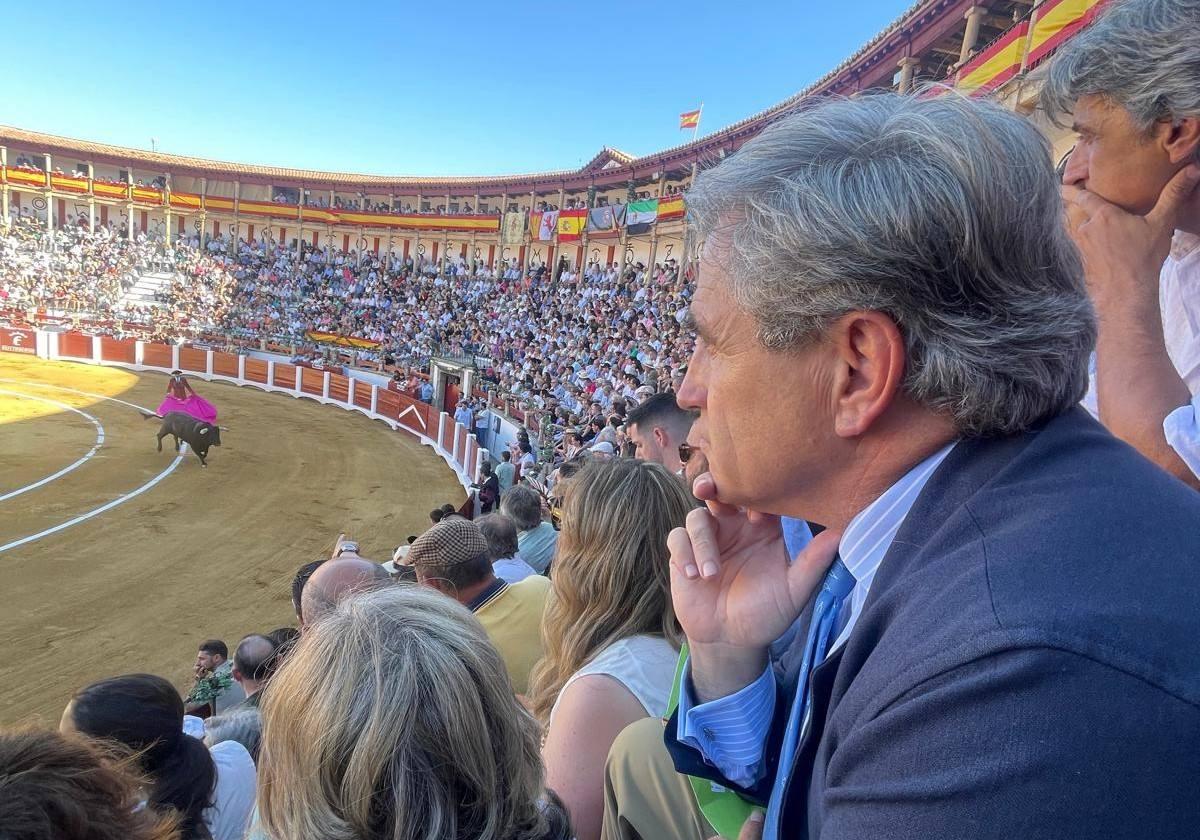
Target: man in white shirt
(501, 536)
(1134, 210)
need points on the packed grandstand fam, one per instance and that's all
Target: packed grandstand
(819, 544)
(558, 285)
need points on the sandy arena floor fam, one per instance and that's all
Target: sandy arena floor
(202, 553)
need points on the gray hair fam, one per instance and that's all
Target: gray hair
(241, 725)
(1143, 55)
(501, 535)
(943, 214)
(523, 506)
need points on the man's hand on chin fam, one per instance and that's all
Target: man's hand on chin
(734, 590)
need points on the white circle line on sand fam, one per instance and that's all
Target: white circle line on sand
(124, 497)
(95, 448)
(76, 391)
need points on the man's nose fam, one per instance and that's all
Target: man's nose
(1075, 169)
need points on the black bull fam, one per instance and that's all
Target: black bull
(197, 434)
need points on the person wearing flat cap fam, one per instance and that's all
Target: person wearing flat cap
(452, 557)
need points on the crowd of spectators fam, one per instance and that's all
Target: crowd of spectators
(80, 275)
(868, 570)
(564, 344)
(69, 268)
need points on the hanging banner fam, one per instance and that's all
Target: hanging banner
(535, 224)
(513, 232)
(1058, 20)
(641, 215)
(548, 226)
(571, 224)
(601, 220)
(670, 208)
(998, 63)
(341, 340)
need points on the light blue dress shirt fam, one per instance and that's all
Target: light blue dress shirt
(731, 732)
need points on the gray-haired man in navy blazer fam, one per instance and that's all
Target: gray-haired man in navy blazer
(998, 634)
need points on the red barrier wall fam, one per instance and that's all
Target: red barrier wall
(339, 387)
(157, 355)
(75, 345)
(362, 395)
(256, 370)
(285, 375)
(387, 404)
(414, 414)
(225, 364)
(192, 359)
(118, 350)
(311, 381)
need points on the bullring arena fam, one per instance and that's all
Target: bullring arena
(126, 559)
(115, 558)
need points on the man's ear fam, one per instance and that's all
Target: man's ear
(660, 437)
(870, 364)
(1183, 140)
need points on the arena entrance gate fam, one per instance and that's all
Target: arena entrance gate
(452, 379)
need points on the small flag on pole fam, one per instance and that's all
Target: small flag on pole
(689, 119)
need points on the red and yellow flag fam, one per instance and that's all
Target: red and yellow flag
(689, 119)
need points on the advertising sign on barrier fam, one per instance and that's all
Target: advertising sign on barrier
(18, 341)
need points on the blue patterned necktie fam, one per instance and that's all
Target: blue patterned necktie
(822, 630)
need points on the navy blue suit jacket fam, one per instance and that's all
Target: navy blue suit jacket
(1026, 665)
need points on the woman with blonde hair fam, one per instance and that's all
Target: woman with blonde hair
(610, 632)
(394, 718)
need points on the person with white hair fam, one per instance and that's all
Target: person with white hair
(893, 337)
(1130, 86)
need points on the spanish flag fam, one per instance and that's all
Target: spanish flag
(571, 224)
(689, 119)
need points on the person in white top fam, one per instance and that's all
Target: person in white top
(1133, 205)
(211, 790)
(233, 795)
(610, 631)
(501, 535)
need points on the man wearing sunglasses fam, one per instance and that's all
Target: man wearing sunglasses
(1130, 86)
(658, 427)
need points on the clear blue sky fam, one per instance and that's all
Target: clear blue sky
(434, 88)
